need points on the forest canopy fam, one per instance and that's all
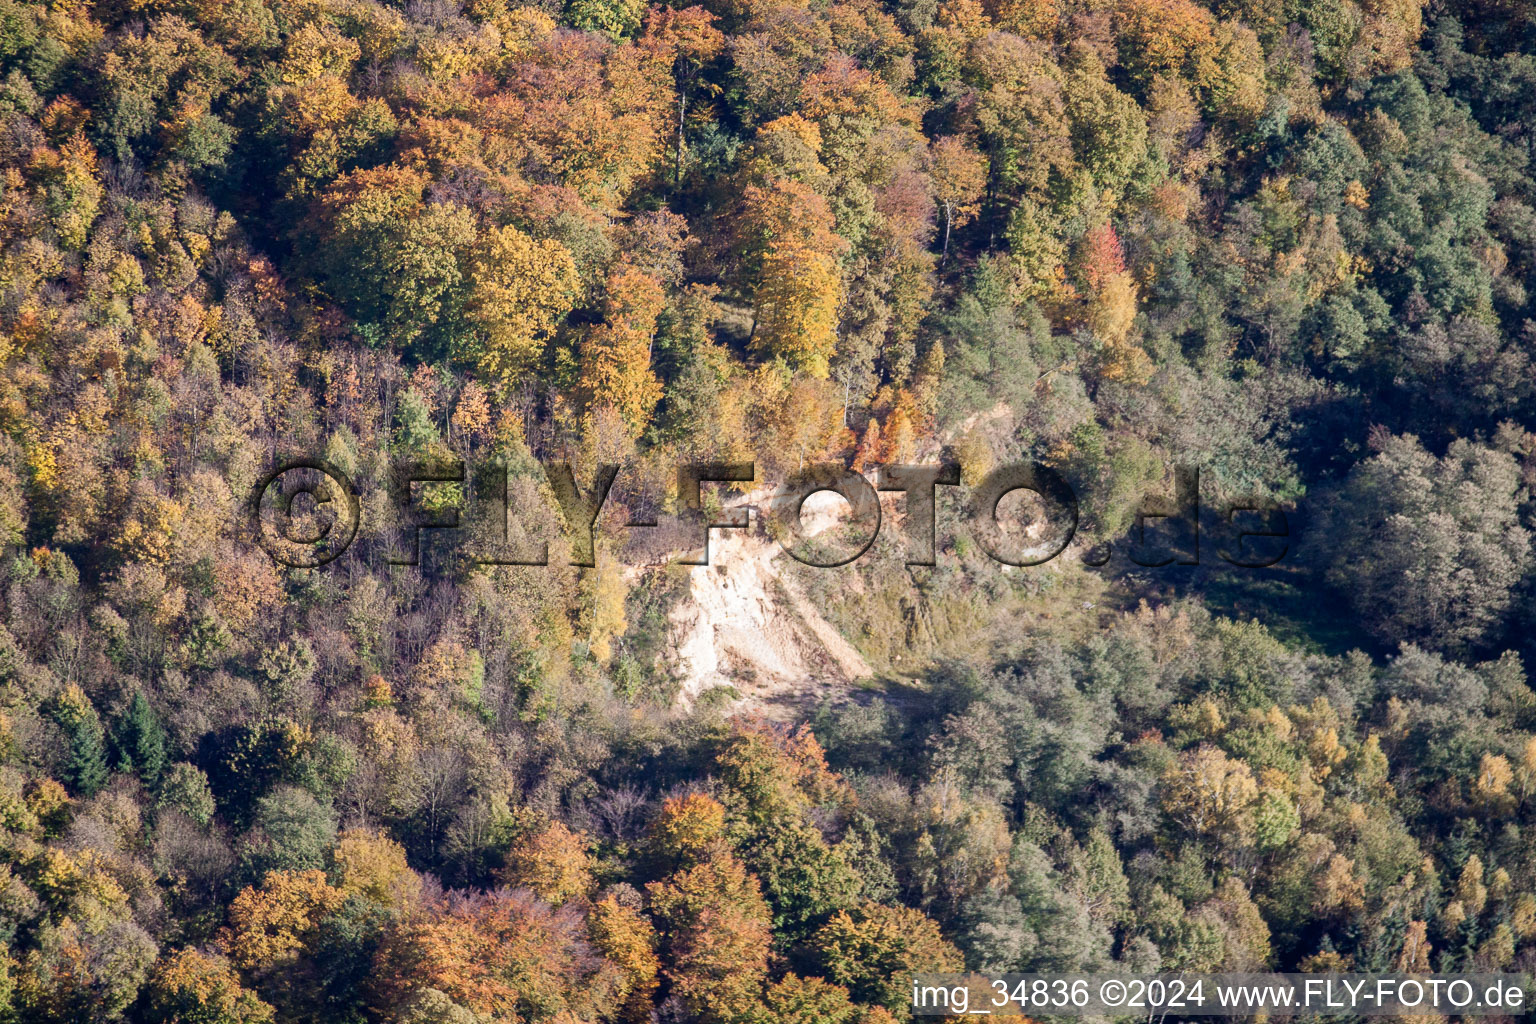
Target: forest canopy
(1288, 242)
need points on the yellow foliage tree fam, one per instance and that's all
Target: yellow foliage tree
(270, 924)
(900, 433)
(1210, 794)
(374, 866)
(797, 303)
(716, 926)
(553, 863)
(797, 287)
(500, 954)
(520, 289)
(1526, 773)
(609, 593)
(1470, 890)
(690, 829)
(71, 192)
(874, 950)
(189, 987)
(1112, 298)
(616, 359)
(627, 938)
(1413, 958)
(1491, 787)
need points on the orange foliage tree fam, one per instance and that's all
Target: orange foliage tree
(797, 283)
(553, 862)
(715, 926)
(616, 359)
(500, 954)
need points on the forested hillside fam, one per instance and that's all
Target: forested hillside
(1289, 242)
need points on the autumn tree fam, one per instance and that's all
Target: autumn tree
(86, 767)
(72, 194)
(874, 949)
(628, 939)
(690, 40)
(1211, 795)
(796, 283)
(959, 175)
(498, 953)
(519, 291)
(190, 987)
(687, 830)
(607, 594)
(715, 930)
(374, 866)
(591, 115)
(797, 1000)
(1112, 297)
(270, 924)
(616, 357)
(93, 968)
(552, 861)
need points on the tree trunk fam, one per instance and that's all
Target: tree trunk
(677, 166)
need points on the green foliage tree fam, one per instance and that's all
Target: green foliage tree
(873, 950)
(140, 742)
(1429, 549)
(85, 765)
